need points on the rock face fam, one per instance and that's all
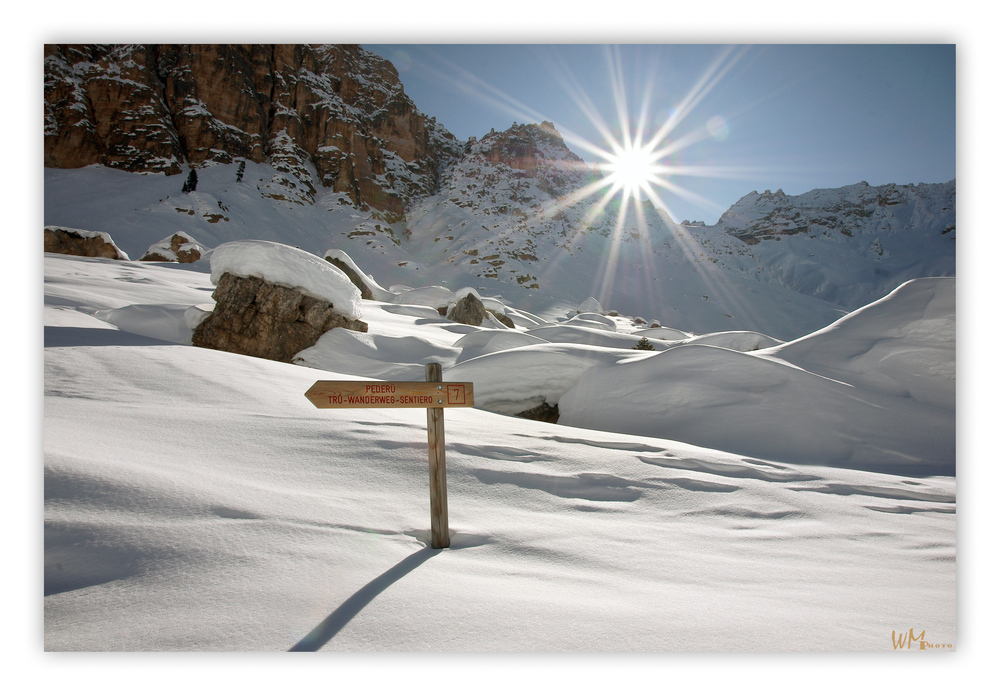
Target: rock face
(469, 310)
(336, 109)
(253, 317)
(63, 240)
(366, 292)
(178, 247)
(521, 146)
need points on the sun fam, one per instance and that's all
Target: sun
(633, 167)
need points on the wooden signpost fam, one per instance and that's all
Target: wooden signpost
(435, 396)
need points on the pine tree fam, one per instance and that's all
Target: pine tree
(643, 344)
(191, 184)
(239, 171)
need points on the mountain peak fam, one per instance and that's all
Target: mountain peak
(524, 146)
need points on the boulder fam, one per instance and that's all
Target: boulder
(359, 282)
(469, 310)
(65, 240)
(263, 320)
(543, 412)
(178, 247)
(502, 318)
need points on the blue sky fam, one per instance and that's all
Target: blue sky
(794, 117)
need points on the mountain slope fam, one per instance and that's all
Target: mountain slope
(850, 245)
(319, 147)
(324, 116)
(195, 500)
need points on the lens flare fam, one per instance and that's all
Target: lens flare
(636, 163)
(718, 128)
(632, 168)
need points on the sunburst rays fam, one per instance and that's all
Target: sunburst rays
(640, 153)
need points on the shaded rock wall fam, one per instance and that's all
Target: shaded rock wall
(152, 108)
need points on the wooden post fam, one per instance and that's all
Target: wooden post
(435, 396)
(440, 537)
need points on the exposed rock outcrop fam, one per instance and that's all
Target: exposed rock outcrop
(178, 247)
(66, 240)
(336, 108)
(469, 310)
(254, 317)
(544, 412)
(502, 318)
(366, 292)
(522, 146)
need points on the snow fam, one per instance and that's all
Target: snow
(280, 264)
(573, 332)
(788, 499)
(696, 280)
(734, 340)
(516, 379)
(903, 344)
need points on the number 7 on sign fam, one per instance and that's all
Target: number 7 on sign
(456, 393)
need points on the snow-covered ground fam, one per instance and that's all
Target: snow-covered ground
(196, 501)
(695, 278)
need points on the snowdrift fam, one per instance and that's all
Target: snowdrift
(874, 391)
(196, 501)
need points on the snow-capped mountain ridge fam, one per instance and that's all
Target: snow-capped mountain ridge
(337, 156)
(849, 245)
(519, 203)
(496, 228)
(856, 209)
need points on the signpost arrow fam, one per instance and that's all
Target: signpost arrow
(435, 396)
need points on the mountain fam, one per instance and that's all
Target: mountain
(331, 116)
(725, 490)
(319, 147)
(850, 245)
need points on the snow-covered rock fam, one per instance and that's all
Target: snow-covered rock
(180, 247)
(264, 320)
(590, 305)
(369, 288)
(468, 310)
(518, 379)
(273, 301)
(76, 242)
(280, 264)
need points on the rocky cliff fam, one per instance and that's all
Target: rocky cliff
(333, 116)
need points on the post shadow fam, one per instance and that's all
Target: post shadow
(342, 615)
